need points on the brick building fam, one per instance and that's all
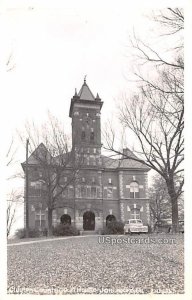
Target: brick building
(107, 188)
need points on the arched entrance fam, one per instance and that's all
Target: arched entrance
(110, 219)
(65, 219)
(89, 220)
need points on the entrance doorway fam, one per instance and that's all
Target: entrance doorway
(110, 219)
(89, 220)
(65, 219)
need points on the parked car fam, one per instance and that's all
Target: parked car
(135, 226)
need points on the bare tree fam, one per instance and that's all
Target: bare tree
(57, 163)
(9, 64)
(155, 113)
(160, 204)
(14, 199)
(10, 155)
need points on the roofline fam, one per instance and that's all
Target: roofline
(73, 101)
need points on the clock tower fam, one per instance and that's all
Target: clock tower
(86, 126)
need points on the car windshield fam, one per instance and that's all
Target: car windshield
(139, 221)
(133, 221)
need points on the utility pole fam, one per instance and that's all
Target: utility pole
(27, 190)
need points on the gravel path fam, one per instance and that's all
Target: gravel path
(86, 265)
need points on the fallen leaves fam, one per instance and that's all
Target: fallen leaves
(82, 265)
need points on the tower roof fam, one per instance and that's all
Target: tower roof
(85, 97)
(85, 92)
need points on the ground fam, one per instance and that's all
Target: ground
(88, 264)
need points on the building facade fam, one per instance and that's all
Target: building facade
(107, 189)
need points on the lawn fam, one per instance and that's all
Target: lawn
(87, 265)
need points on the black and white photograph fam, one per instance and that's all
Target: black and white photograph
(93, 121)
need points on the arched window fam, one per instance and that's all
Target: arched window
(134, 190)
(110, 219)
(65, 219)
(135, 213)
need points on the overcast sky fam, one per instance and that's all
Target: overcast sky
(54, 44)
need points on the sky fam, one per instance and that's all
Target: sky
(53, 45)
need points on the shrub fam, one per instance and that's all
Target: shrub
(65, 230)
(114, 228)
(21, 233)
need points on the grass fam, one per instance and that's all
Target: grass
(83, 265)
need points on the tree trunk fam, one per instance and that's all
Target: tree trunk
(50, 227)
(174, 205)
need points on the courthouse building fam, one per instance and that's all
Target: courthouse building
(108, 189)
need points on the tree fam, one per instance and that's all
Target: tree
(155, 113)
(57, 164)
(14, 199)
(160, 205)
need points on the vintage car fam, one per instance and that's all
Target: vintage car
(135, 226)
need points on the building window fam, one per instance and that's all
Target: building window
(99, 193)
(83, 192)
(94, 160)
(92, 134)
(83, 135)
(83, 179)
(88, 191)
(135, 213)
(109, 181)
(70, 192)
(65, 192)
(93, 192)
(35, 189)
(134, 190)
(40, 218)
(94, 150)
(109, 193)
